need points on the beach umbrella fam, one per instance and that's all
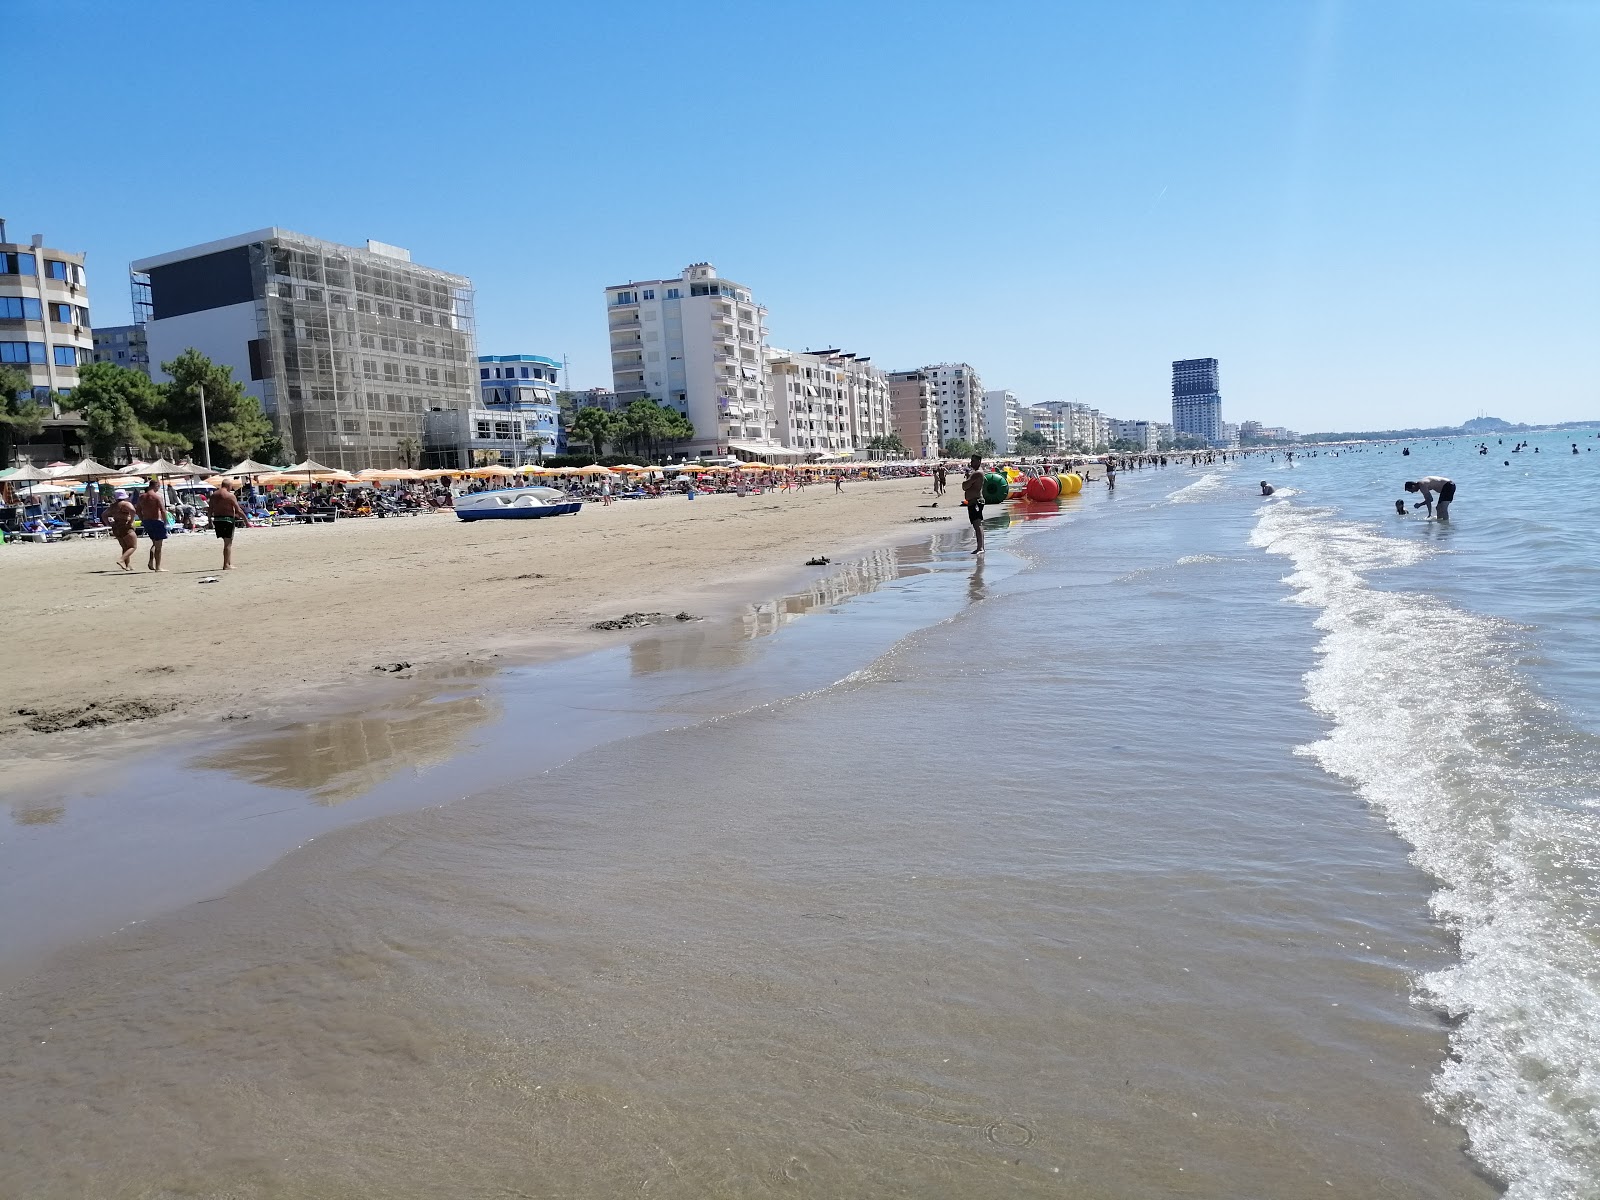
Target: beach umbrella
(50, 489)
(595, 469)
(89, 469)
(249, 467)
(492, 471)
(26, 473)
(533, 469)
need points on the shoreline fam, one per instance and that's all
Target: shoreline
(199, 663)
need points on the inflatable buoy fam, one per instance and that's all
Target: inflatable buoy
(1071, 484)
(1043, 487)
(996, 489)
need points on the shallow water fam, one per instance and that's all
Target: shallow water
(1073, 873)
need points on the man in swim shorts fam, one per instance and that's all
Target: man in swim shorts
(152, 508)
(1428, 485)
(226, 517)
(972, 496)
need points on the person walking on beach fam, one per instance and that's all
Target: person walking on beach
(838, 481)
(1428, 485)
(1111, 474)
(226, 517)
(120, 517)
(152, 509)
(939, 480)
(972, 497)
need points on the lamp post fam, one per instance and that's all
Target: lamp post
(205, 433)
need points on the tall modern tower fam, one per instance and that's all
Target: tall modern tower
(1196, 400)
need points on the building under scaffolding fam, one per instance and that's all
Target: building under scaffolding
(348, 349)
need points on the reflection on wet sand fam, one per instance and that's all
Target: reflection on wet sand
(722, 644)
(338, 758)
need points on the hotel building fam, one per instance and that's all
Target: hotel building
(914, 412)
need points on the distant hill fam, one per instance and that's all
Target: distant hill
(1488, 425)
(1478, 425)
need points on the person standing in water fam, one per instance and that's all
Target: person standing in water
(972, 496)
(1429, 485)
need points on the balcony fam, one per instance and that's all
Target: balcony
(618, 326)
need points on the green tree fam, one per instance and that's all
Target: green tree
(21, 416)
(679, 427)
(889, 443)
(124, 410)
(1031, 441)
(958, 448)
(643, 423)
(235, 423)
(410, 451)
(595, 426)
(985, 447)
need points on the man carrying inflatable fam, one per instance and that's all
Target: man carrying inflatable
(972, 497)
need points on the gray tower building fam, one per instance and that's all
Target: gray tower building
(1196, 400)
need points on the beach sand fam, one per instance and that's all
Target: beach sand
(314, 607)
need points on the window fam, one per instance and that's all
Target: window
(649, 293)
(524, 372)
(484, 430)
(483, 372)
(21, 352)
(66, 356)
(391, 371)
(433, 376)
(18, 264)
(369, 367)
(624, 298)
(674, 294)
(81, 315)
(55, 270)
(61, 314)
(19, 308)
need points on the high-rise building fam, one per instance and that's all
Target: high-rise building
(124, 345)
(1002, 419)
(1076, 425)
(959, 391)
(697, 343)
(347, 349)
(1197, 400)
(914, 412)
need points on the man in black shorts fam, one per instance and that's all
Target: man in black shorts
(1428, 485)
(972, 496)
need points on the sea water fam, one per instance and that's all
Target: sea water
(1197, 844)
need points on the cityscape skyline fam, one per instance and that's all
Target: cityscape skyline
(1351, 184)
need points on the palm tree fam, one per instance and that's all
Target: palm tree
(410, 451)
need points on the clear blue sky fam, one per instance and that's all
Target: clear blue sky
(1374, 212)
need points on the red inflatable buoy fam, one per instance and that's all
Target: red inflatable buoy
(1043, 487)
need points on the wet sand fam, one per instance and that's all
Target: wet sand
(315, 607)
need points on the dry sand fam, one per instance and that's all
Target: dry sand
(313, 607)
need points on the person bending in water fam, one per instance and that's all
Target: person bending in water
(1428, 485)
(1266, 488)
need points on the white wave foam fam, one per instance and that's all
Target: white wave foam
(1497, 794)
(1201, 489)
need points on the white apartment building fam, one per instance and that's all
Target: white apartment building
(914, 412)
(1164, 432)
(827, 401)
(1047, 422)
(959, 391)
(1146, 434)
(1002, 417)
(697, 343)
(1079, 424)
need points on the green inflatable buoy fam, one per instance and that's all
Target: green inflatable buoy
(996, 489)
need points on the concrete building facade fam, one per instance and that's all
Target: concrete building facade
(44, 316)
(697, 343)
(124, 345)
(1145, 434)
(959, 391)
(1002, 419)
(515, 421)
(1197, 399)
(828, 401)
(914, 412)
(346, 348)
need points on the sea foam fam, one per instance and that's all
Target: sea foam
(1497, 793)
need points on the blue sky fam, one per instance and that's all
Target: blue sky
(1374, 213)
